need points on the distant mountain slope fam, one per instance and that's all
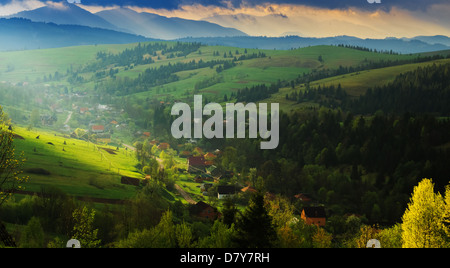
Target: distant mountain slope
(19, 34)
(65, 13)
(437, 39)
(288, 42)
(160, 27)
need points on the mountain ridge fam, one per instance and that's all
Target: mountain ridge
(23, 34)
(396, 45)
(64, 14)
(126, 20)
(160, 27)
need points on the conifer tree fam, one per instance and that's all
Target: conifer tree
(254, 227)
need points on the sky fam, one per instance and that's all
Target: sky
(311, 18)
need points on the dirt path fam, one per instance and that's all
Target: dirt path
(185, 195)
(129, 147)
(68, 118)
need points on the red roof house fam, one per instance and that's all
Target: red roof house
(196, 164)
(98, 128)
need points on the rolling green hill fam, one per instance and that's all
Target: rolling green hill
(355, 84)
(77, 167)
(86, 76)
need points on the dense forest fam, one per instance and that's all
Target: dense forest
(357, 162)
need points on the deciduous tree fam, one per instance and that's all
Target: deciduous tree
(10, 165)
(422, 221)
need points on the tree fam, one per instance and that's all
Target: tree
(321, 239)
(83, 229)
(391, 237)
(220, 237)
(254, 227)
(423, 219)
(229, 212)
(35, 117)
(33, 234)
(163, 235)
(184, 235)
(10, 167)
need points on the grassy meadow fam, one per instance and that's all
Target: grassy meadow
(76, 167)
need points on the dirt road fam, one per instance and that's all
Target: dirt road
(185, 195)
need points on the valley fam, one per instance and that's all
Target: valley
(94, 123)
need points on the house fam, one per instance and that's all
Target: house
(163, 146)
(210, 156)
(224, 191)
(185, 154)
(98, 128)
(314, 215)
(249, 189)
(218, 174)
(196, 164)
(205, 211)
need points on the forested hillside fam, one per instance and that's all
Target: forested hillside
(359, 130)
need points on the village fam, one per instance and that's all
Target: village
(203, 184)
(104, 124)
(215, 184)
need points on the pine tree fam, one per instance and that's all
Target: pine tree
(229, 212)
(254, 227)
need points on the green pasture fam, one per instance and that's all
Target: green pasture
(356, 83)
(78, 168)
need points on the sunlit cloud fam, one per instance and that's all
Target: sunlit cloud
(288, 19)
(279, 20)
(16, 6)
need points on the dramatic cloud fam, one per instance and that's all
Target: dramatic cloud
(289, 19)
(313, 18)
(328, 4)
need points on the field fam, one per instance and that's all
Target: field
(77, 167)
(354, 84)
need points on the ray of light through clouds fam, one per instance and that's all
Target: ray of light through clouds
(394, 18)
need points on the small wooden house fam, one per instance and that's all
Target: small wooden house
(196, 164)
(224, 191)
(203, 210)
(314, 215)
